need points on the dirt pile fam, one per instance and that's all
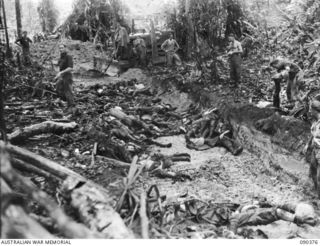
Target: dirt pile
(82, 53)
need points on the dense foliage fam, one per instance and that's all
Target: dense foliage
(93, 17)
(48, 14)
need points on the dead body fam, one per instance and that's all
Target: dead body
(211, 131)
(258, 213)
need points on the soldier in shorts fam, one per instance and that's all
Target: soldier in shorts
(64, 77)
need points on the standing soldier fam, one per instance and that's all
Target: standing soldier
(234, 52)
(140, 50)
(121, 42)
(288, 71)
(313, 147)
(64, 77)
(24, 43)
(170, 46)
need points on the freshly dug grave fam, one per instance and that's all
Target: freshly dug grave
(271, 167)
(259, 171)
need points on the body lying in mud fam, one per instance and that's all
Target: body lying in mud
(211, 131)
(237, 220)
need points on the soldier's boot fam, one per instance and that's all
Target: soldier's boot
(60, 89)
(69, 96)
(276, 101)
(314, 172)
(276, 95)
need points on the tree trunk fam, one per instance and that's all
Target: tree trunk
(15, 223)
(153, 43)
(65, 224)
(104, 219)
(18, 18)
(2, 122)
(190, 36)
(39, 162)
(8, 52)
(21, 135)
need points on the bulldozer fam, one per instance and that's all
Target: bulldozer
(153, 39)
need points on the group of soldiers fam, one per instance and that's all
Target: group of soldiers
(122, 48)
(204, 133)
(286, 70)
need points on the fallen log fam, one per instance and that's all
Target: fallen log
(46, 222)
(94, 209)
(47, 165)
(15, 222)
(39, 161)
(26, 167)
(65, 224)
(92, 196)
(21, 135)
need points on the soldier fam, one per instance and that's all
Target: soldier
(289, 72)
(121, 42)
(64, 77)
(170, 46)
(234, 52)
(25, 44)
(140, 50)
(213, 132)
(313, 147)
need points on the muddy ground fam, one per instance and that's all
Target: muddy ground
(222, 177)
(272, 166)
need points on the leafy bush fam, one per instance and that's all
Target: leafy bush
(48, 14)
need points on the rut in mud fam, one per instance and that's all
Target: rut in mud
(271, 167)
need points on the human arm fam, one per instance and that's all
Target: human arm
(308, 145)
(164, 45)
(17, 42)
(68, 69)
(177, 46)
(229, 48)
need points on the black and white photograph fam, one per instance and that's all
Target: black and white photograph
(159, 119)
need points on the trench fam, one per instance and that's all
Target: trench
(272, 165)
